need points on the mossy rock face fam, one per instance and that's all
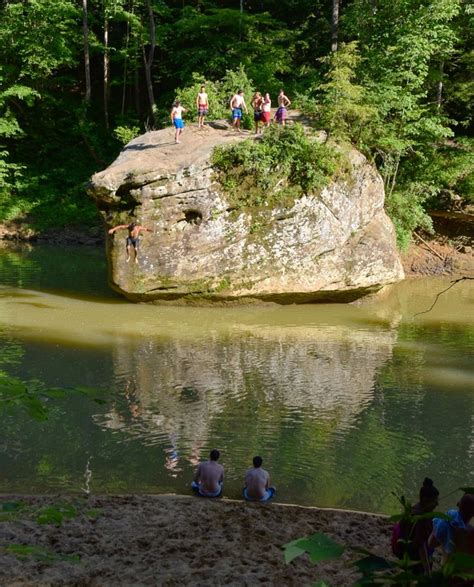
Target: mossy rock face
(335, 243)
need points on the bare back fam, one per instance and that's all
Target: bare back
(209, 475)
(257, 481)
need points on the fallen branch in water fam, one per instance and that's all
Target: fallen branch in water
(453, 283)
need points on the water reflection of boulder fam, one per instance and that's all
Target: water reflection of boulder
(177, 389)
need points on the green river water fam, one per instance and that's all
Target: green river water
(344, 403)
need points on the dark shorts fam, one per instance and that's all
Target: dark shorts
(134, 242)
(257, 116)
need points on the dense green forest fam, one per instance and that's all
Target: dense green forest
(78, 78)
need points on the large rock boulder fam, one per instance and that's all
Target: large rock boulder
(334, 246)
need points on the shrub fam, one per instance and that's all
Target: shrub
(125, 134)
(285, 164)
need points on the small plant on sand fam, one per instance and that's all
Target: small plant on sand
(24, 551)
(377, 570)
(284, 164)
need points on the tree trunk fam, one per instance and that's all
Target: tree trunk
(240, 19)
(106, 71)
(148, 61)
(125, 68)
(439, 93)
(334, 25)
(87, 67)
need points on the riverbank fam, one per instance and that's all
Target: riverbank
(178, 540)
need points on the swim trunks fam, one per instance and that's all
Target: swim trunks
(178, 122)
(134, 242)
(266, 116)
(236, 112)
(195, 487)
(202, 111)
(269, 493)
(280, 114)
(257, 115)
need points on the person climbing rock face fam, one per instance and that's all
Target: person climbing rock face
(133, 238)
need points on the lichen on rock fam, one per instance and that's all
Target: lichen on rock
(336, 244)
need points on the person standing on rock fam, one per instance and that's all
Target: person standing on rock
(133, 238)
(266, 109)
(257, 102)
(237, 103)
(283, 103)
(202, 105)
(177, 119)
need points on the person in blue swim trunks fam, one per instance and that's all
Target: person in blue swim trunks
(177, 119)
(257, 483)
(237, 104)
(209, 478)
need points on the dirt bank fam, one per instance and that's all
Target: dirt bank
(173, 540)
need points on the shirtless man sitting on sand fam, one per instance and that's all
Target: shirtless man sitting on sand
(209, 477)
(257, 483)
(133, 238)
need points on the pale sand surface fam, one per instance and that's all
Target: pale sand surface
(179, 540)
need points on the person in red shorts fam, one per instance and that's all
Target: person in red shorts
(202, 105)
(266, 109)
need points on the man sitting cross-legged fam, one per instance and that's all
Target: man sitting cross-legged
(209, 477)
(257, 483)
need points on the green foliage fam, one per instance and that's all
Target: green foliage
(55, 514)
(34, 397)
(405, 208)
(11, 510)
(24, 551)
(94, 513)
(125, 134)
(215, 40)
(377, 570)
(283, 165)
(381, 90)
(344, 110)
(318, 546)
(219, 94)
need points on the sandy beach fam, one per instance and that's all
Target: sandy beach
(176, 540)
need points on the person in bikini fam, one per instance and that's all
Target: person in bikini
(283, 103)
(209, 478)
(257, 483)
(177, 119)
(237, 103)
(257, 103)
(266, 109)
(133, 238)
(202, 105)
